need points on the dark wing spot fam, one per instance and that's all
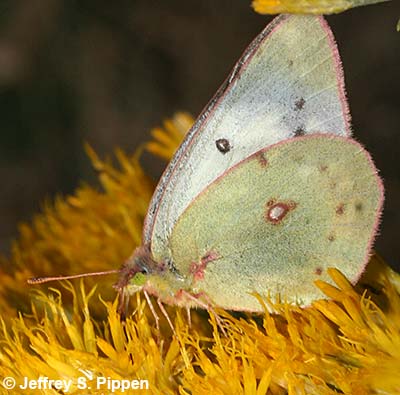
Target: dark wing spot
(340, 209)
(290, 62)
(318, 270)
(358, 206)
(299, 132)
(276, 212)
(223, 145)
(331, 237)
(299, 104)
(262, 160)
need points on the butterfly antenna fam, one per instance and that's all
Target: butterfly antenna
(42, 280)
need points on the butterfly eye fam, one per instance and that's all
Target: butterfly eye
(223, 145)
(144, 270)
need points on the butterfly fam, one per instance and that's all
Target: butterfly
(267, 189)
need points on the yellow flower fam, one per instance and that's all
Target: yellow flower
(348, 343)
(74, 235)
(168, 139)
(308, 6)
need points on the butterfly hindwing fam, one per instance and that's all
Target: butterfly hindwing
(277, 220)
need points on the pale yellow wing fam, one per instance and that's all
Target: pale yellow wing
(277, 220)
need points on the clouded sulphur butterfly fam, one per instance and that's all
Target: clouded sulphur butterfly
(267, 190)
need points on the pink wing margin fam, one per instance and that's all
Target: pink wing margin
(339, 74)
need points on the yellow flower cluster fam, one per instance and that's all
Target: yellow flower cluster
(308, 6)
(349, 343)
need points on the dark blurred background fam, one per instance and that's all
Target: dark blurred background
(107, 72)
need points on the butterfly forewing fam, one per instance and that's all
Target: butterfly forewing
(288, 83)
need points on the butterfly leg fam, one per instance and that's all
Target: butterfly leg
(165, 314)
(189, 317)
(206, 306)
(153, 311)
(123, 301)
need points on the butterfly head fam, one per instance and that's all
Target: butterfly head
(134, 272)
